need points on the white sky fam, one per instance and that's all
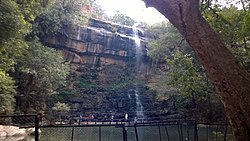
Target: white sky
(135, 9)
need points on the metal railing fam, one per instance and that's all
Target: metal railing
(97, 132)
(12, 123)
(121, 130)
(171, 130)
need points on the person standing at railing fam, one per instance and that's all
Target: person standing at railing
(135, 119)
(126, 116)
(90, 117)
(112, 117)
(81, 118)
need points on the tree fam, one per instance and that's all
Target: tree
(7, 93)
(186, 77)
(157, 30)
(60, 109)
(32, 8)
(13, 29)
(122, 19)
(97, 11)
(39, 75)
(244, 57)
(179, 76)
(62, 13)
(231, 80)
(164, 44)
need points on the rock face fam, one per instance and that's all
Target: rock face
(101, 44)
(11, 133)
(105, 55)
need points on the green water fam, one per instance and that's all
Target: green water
(145, 133)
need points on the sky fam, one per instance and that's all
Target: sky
(135, 9)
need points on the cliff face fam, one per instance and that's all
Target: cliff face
(101, 44)
(111, 59)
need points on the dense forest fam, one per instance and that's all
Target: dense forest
(34, 77)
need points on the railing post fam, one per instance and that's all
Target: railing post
(36, 128)
(187, 128)
(159, 128)
(207, 132)
(72, 133)
(136, 133)
(124, 133)
(216, 135)
(166, 128)
(195, 131)
(225, 133)
(100, 133)
(181, 131)
(179, 134)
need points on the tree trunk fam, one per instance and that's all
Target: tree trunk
(231, 80)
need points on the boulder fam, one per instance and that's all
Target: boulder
(14, 131)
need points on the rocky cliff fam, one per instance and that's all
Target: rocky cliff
(101, 44)
(109, 64)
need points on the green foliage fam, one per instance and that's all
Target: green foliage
(185, 76)
(122, 19)
(165, 42)
(61, 107)
(179, 77)
(218, 136)
(160, 84)
(88, 80)
(32, 8)
(117, 77)
(231, 23)
(41, 72)
(114, 76)
(87, 84)
(7, 93)
(61, 14)
(11, 20)
(156, 31)
(181, 72)
(233, 26)
(65, 94)
(178, 71)
(48, 23)
(13, 29)
(97, 11)
(181, 103)
(243, 55)
(245, 32)
(45, 64)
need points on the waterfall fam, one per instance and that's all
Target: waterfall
(139, 107)
(138, 53)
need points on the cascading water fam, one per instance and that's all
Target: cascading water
(138, 52)
(139, 106)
